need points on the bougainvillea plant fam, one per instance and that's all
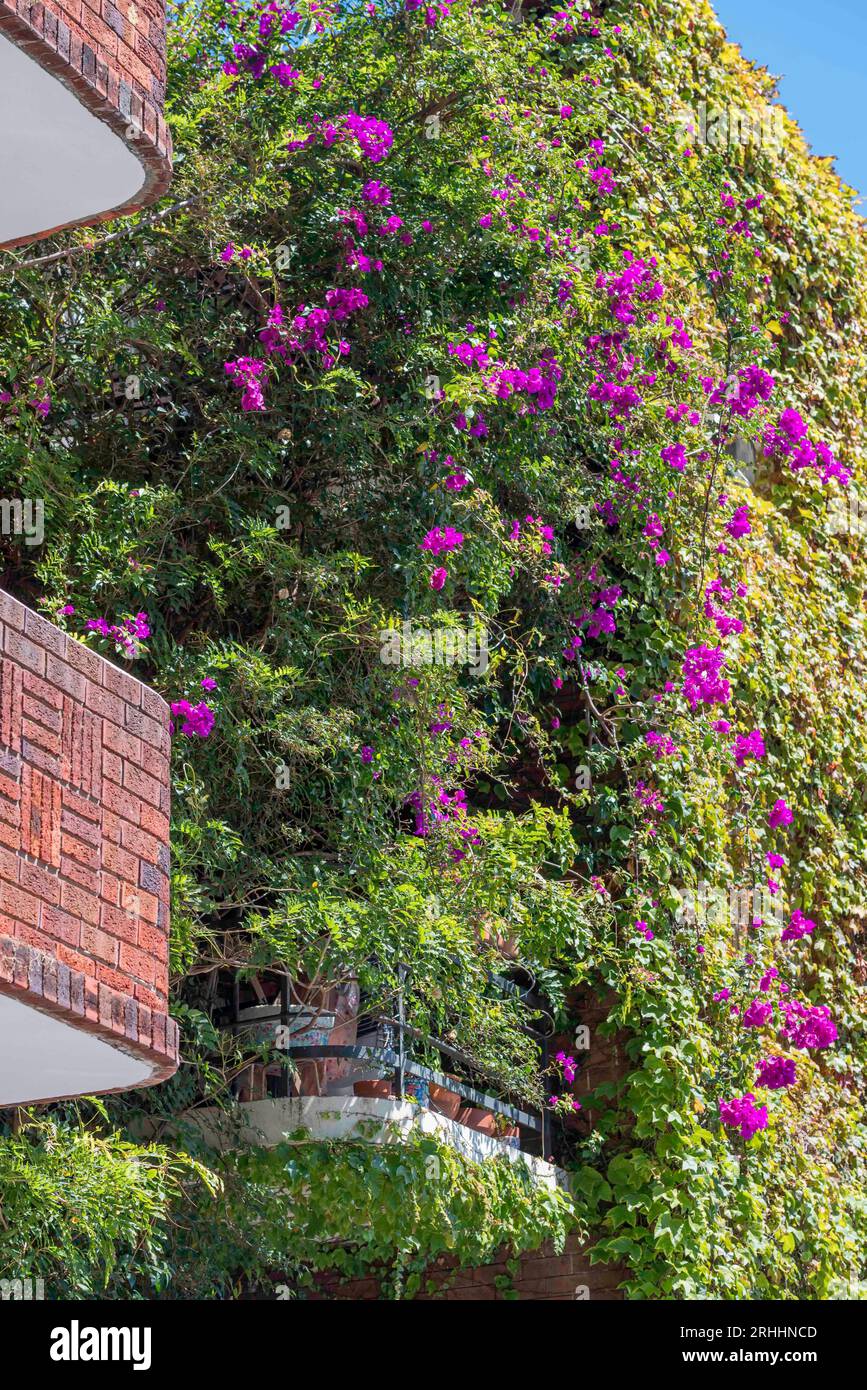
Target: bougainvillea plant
(472, 331)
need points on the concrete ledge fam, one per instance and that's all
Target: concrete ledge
(376, 1120)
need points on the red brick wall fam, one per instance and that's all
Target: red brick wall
(112, 55)
(84, 837)
(542, 1276)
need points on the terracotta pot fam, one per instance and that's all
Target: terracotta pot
(379, 1089)
(444, 1102)
(480, 1120)
(508, 947)
(251, 1083)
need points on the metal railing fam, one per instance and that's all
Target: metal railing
(394, 1053)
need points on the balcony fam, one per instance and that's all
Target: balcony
(331, 1062)
(81, 109)
(84, 860)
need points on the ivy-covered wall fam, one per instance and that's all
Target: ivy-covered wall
(544, 332)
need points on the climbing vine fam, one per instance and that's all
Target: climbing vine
(464, 459)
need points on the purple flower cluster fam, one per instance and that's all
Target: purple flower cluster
(742, 1113)
(775, 1073)
(808, 1025)
(198, 720)
(129, 634)
(748, 746)
(788, 440)
(246, 373)
(703, 682)
(799, 926)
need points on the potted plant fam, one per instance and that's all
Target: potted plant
(444, 1102)
(508, 1133)
(475, 1118)
(379, 1087)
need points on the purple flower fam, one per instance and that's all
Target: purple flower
(739, 524)
(439, 540)
(775, 1073)
(798, 926)
(757, 1014)
(808, 1026)
(780, 814)
(748, 746)
(742, 1113)
(703, 683)
(373, 135)
(198, 720)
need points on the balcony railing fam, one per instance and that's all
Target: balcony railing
(391, 1052)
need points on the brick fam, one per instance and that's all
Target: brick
(61, 926)
(142, 785)
(11, 611)
(154, 706)
(83, 660)
(80, 903)
(77, 872)
(126, 745)
(44, 634)
(154, 941)
(155, 822)
(24, 652)
(112, 767)
(99, 944)
(122, 684)
(125, 865)
(38, 736)
(140, 843)
(61, 675)
(119, 923)
(106, 705)
(42, 690)
(36, 712)
(24, 907)
(137, 963)
(122, 803)
(39, 881)
(151, 878)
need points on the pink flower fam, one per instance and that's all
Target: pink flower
(808, 1026)
(739, 525)
(757, 1014)
(742, 1113)
(780, 814)
(198, 720)
(442, 539)
(748, 746)
(798, 926)
(775, 1073)
(439, 577)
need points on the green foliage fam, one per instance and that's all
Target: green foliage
(175, 504)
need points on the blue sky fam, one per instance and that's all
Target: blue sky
(820, 52)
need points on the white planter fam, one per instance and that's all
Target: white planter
(305, 1027)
